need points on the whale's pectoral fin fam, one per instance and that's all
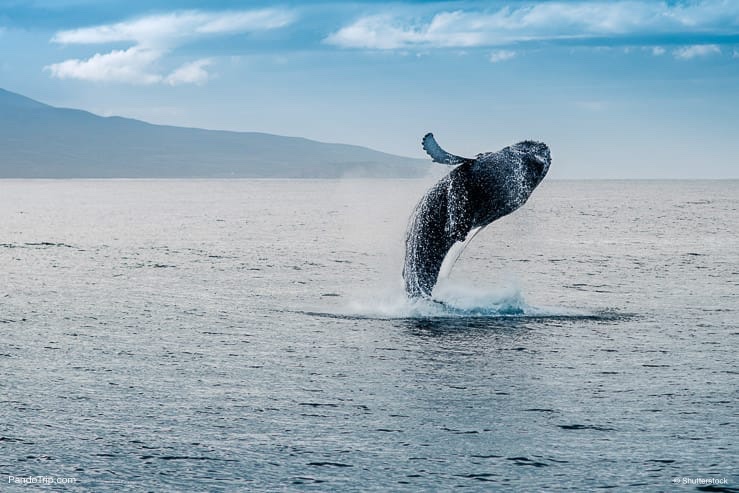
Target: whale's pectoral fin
(459, 208)
(439, 155)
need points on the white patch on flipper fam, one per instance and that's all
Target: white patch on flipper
(454, 253)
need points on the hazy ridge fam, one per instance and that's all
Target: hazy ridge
(42, 141)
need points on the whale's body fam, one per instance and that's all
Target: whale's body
(474, 194)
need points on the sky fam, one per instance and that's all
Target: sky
(618, 89)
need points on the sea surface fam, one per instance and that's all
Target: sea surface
(252, 335)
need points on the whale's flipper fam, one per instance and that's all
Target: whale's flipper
(439, 155)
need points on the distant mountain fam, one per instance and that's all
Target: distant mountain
(41, 141)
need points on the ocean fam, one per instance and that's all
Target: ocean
(252, 335)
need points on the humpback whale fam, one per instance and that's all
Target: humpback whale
(475, 193)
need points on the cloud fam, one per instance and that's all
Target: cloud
(175, 27)
(689, 52)
(658, 51)
(131, 66)
(153, 37)
(386, 33)
(190, 73)
(735, 54)
(541, 21)
(501, 55)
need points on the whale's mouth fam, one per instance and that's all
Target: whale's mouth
(540, 161)
(543, 155)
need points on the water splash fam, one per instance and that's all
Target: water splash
(453, 300)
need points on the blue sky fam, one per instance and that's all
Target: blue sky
(621, 89)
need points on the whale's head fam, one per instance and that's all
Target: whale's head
(535, 160)
(518, 170)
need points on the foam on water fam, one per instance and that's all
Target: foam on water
(454, 299)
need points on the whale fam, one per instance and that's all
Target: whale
(475, 193)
